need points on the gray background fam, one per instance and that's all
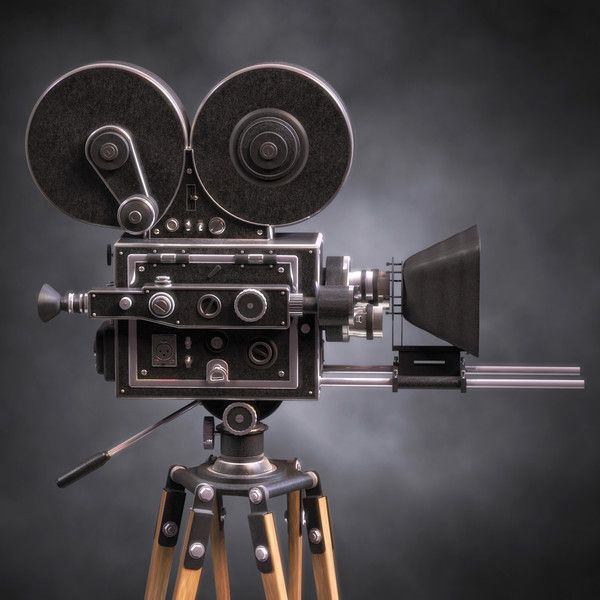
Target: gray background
(467, 112)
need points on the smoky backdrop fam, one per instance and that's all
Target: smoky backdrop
(475, 111)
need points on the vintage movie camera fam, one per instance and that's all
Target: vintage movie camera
(210, 300)
(212, 303)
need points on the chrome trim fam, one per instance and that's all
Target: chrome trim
(133, 260)
(139, 169)
(280, 383)
(521, 370)
(249, 469)
(522, 384)
(236, 303)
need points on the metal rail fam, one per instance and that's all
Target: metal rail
(473, 377)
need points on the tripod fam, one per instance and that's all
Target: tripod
(242, 469)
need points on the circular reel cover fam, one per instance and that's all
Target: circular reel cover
(272, 144)
(91, 97)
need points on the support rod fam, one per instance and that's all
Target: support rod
(522, 370)
(522, 384)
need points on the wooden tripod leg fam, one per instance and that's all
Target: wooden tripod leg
(268, 557)
(321, 546)
(193, 552)
(165, 539)
(294, 527)
(219, 557)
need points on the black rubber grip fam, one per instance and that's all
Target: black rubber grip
(85, 468)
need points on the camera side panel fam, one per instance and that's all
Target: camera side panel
(237, 343)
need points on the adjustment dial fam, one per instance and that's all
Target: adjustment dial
(161, 305)
(250, 305)
(209, 306)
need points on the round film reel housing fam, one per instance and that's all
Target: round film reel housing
(272, 144)
(85, 100)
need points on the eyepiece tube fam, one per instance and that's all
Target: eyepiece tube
(51, 303)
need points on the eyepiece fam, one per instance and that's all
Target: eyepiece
(50, 303)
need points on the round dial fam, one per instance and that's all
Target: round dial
(209, 306)
(161, 305)
(250, 305)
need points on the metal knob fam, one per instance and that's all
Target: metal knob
(161, 305)
(250, 305)
(209, 306)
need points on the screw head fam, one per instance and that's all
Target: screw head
(144, 372)
(170, 529)
(255, 495)
(109, 151)
(135, 217)
(268, 151)
(261, 553)
(315, 536)
(196, 550)
(206, 493)
(281, 373)
(125, 303)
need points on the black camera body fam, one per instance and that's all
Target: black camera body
(207, 319)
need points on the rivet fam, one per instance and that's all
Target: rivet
(170, 529)
(206, 493)
(255, 495)
(196, 550)
(315, 536)
(261, 553)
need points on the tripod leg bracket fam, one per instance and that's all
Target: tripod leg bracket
(260, 541)
(197, 542)
(314, 525)
(170, 519)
